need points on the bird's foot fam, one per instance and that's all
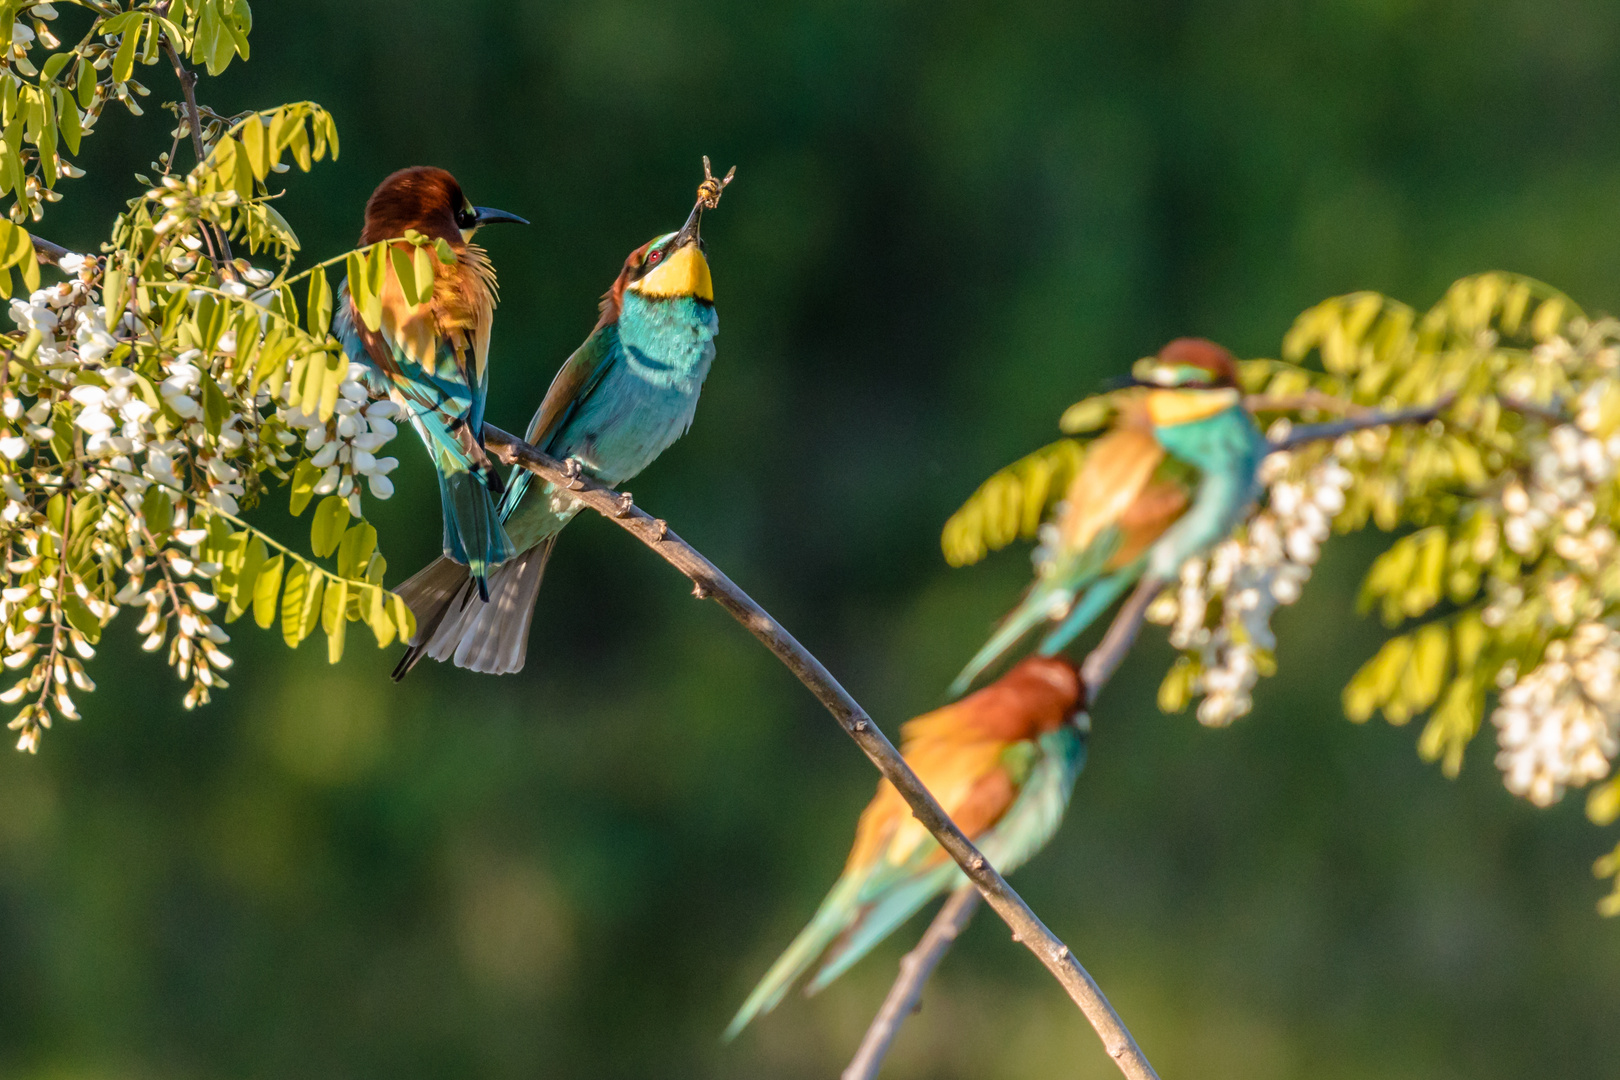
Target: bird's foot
(660, 528)
(573, 474)
(626, 504)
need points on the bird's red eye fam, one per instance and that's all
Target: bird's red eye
(653, 257)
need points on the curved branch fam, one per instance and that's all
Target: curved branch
(915, 968)
(1309, 433)
(709, 581)
(48, 253)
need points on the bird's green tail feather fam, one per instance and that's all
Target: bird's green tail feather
(1036, 607)
(472, 528)
(881, 919)
(1092, 604)
(831, 919)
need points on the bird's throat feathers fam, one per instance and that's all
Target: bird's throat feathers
(685, 272)
(1167, 408)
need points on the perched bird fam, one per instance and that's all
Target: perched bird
(618, 402)
(1174, 476)
(1001, 761)
(433, 357)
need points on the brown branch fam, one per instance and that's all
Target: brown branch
(1309, 399)
(918, 964)
(48, 253)
(1098, 667)
(915, 968)
(709, 581)
(219, 245)
(1309, 433)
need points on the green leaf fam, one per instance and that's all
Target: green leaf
(375, 606)
(376, 271)
(1011, 503)
(254, 558)
(326, 528)
(158, 510)
(444, 251)
(334, 618)
(265, 590)
(79, 616)
(123, 65)
(304, 478)
(300, 602)
(354, 551)
(334, 366)
(404, 618)
(72, 131)
(405, 273)
(319, 311)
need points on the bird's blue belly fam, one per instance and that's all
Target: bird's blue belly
(627, 423)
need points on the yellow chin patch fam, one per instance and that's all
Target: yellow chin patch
(683, 273)
(1167, 408)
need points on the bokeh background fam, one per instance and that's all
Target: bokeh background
(950, 220)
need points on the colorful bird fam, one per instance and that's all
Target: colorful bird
(1001, 761)
(1173, 477)
(432, 357)
(619, 401)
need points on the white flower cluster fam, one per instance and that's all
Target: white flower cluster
(128, 431)
(1246, 578)
(1559, 726)
(1560, 499)
(345, 447)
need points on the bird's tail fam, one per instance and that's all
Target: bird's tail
(1092, 604)
(882, 918)
(834, 916)
(451, 624)
(472, 526)
(1039, 605)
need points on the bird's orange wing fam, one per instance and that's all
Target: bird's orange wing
(1146, 519)
(1116, 469)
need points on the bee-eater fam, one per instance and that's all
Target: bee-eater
(432, 358)
(1174, 476)
(1001, 761)
(619, 401)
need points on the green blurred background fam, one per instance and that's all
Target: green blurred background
(950, 220)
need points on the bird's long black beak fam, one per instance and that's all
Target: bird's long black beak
(487, 215)
(689, 232)
(1124, 382)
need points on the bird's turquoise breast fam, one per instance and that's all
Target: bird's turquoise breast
(1227, 450)
(643, 401)
(649, 392)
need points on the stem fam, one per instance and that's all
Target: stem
(48, 253)
(212, 234)
(905, 995)
(1309, 433)
(709, 581)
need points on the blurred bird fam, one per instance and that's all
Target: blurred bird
(432, 358)
(1001, 761)
(1174, 476)
(619, 401)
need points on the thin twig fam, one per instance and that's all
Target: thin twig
(707, 578)
(1097, 668)
(213, 234)
(48, 253)
(1309, 399)
(915, 968)
(918, 964)
(1309, 433)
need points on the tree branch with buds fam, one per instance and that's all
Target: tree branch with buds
(709, 582)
